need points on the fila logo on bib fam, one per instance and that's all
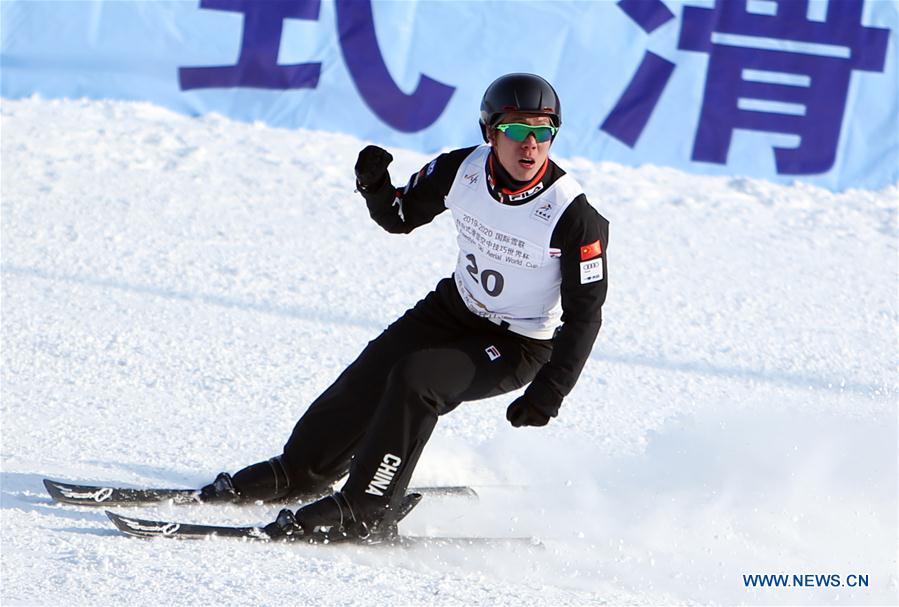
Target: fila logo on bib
(528, 194)
(492, 352)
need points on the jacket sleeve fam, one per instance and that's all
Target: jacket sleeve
(582, 234)
(401, 210)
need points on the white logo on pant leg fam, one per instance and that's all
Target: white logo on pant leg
(492, 352)
(384, 475)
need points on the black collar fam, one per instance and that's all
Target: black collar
(511, 191)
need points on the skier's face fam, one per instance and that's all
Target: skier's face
(521, 159)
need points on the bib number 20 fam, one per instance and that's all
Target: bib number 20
(491, 280)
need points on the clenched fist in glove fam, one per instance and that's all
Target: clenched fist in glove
(534, 407)
(371, 168)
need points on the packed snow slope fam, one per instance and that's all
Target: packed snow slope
(175, 291)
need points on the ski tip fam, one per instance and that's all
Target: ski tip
(467, 492)
(86, 495)
(463, 491)
(126, 525)
(425, 541)
(115, 518)
(54, 488)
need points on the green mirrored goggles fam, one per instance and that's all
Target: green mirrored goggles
(517, 131)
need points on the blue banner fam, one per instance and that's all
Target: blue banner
(784, 90)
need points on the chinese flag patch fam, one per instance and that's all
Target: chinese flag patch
(589, 251)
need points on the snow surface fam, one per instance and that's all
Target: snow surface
(176, 290)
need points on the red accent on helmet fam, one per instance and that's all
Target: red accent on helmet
(527, 93)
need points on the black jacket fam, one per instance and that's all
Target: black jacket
(401, 210)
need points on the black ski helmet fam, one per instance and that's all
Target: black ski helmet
(519, 93)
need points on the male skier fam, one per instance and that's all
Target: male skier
(523, 306)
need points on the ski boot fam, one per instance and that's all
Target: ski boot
(265, 481)
(221, 490)
(332, 520)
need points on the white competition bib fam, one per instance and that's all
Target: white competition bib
(506, 270)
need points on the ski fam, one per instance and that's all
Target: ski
(96, 495)
(147, 528)
(104, 495)
(166, 529)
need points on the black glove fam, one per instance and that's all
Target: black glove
(371, 168)
(534, 407)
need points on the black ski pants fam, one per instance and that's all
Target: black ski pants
(378, 415)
